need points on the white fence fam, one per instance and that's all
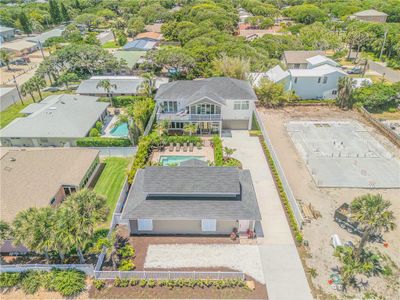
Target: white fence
(286, 187)
(160, 275)
(87, 268)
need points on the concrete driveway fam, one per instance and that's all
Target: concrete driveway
(283, 271)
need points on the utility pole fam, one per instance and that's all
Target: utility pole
(19, 92)
(41, 48)
(383, 44)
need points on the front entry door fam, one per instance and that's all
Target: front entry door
(244, 225)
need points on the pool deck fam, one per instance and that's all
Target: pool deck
(206, 151)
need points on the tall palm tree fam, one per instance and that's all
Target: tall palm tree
(23, 228)
(5, 231)
(107, 86)
(39, 83)
(162, 127)
(28, 88)
(64, 229)
(372, 212)
(5, 56)
(148, 85)
(110, 244)
(190, 128)
(345, 89)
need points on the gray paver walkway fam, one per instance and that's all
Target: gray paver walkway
(283, 271)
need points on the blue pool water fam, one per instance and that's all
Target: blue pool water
(177, 159)
(120, 130)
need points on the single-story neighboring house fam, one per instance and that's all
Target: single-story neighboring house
(105, 36)
(124, 85)
(213, 104)
(197, 200)
(298, 59)
(139, 45)
(8, 96)
(132, 59)
(43, 37)
(370, 15)
(41, 177)
(20, 46)
(57, 121)
(6, 34)
(319, 80)
(156, 27)
(151, 36)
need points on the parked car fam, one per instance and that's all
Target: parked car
(20, 61)
(52, 89)
(355, 70)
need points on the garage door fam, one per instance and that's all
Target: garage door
(235, 124)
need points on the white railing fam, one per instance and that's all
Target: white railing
(188, 117)
(285, 183)
(160, 275)
(87, 268)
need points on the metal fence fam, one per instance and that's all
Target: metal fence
(160, 275)
(87, 268)
(286, 187)
(115, 151)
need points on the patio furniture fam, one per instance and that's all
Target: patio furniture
(171, 147)
(178, 147)
(191, 147)
(185, 147)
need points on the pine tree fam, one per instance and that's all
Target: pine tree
(25, 24)
(64, 13)
(54, 11)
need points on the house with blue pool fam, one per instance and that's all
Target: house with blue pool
(213, 104)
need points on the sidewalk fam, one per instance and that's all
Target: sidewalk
(283, 272)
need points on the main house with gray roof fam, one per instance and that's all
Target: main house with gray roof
(213, 104)
(191, 199)
(57, 121)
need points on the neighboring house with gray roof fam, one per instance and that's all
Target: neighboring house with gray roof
(57, 121)
(191, 200)
(298, 59)
(213, 104)
(370, 15)
(43, 37)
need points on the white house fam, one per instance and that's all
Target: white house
(318, 80)
(213, 104)
(8, 96)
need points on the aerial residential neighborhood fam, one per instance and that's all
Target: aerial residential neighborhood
(206, 149)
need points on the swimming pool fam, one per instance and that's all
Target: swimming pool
(169, 160)
(120, 130)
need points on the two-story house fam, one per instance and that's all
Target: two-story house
(213, 104)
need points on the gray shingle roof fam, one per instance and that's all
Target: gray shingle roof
(194, 163)
(67, 116)
(243, 207)
(123, 86)
(219, 89)
(190, 181)
(300, 57)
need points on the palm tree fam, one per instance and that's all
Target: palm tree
(5, 56)
(148, 86)
(5, 231)
(28, 88)
(162, 127)
(23, 227)
(43, 231)
(38, 83)
(229, 152)
(110, 244)
(372, 212)
(190, 128)
(87, 210)
(345, 89)
(107, 86)
(64, 230)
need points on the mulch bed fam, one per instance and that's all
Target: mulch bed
(111, 292)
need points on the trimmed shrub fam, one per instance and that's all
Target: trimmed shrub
(118, 282)
(166, 140)
(94, 132)
(218, 152)
(232, 162)
(99, 284)
(142, 154)
(134, 282)
(31, 282)
(142, 283)
(126, 265)
(122, 101)
(103, 142)
(127, 251)
(69, 282)
(9, 279)
(99, 126)
(151, 283)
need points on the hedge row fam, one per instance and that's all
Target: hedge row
(67, 282)
(218, 152)
(175, 283)
(122, 101)
(282, 194)
(103, 142)
(148, 142)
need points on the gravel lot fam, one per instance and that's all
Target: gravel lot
(244, 258)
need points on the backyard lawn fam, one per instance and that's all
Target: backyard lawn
(111, 181)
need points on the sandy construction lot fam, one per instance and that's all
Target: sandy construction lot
(326, 200)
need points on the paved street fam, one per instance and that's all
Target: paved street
(283, 272)
(390, 74)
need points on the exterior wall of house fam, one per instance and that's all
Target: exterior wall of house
(37, 142)
(297, 66)
(59, 197)
(7, 35)
(184, 227)
(8, 99)
(309, 88)
(377, 19)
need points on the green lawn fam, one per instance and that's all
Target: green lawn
(111, 181)
(110, 45)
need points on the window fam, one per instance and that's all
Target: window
(241, 105)
(245, 105)
(208, 225)
(205, 109)
(296, 66)
(44, 140)
(319, 79)
(295, 80)
(334, 92)
(325, 80)
(170, 106)
(52, 201)
(145, 224)
(236, 105)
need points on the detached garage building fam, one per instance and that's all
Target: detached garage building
(191, 199)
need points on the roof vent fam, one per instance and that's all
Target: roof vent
(13, 159)
(52, 108)
(62, 102)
